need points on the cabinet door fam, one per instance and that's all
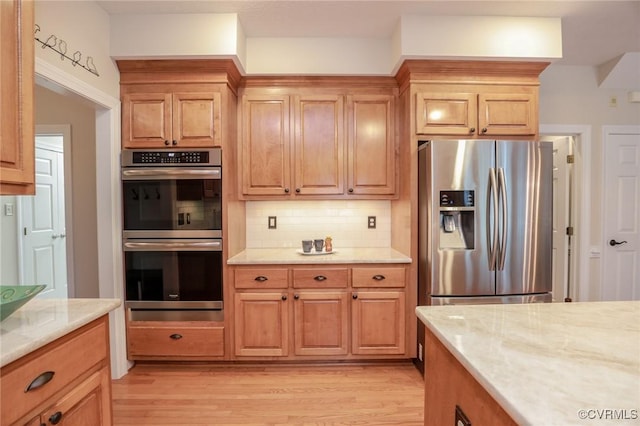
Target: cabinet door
(321, 323)
(266, 165)
(378, 323)
(503, 114)
(17, 141)
(319, 144)
(261, 324)
(196, 119)
(146, 120)
(87, 404)
(446, 113)
(371, 148)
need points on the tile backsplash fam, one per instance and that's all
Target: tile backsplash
(345, 221)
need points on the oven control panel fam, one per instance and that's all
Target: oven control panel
(194, 157)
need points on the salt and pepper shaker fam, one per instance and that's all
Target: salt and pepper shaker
(327, 245)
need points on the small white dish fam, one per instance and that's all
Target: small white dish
(315, 253)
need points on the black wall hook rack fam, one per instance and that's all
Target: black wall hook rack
(58, 45)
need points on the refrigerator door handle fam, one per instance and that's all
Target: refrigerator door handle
(502, 183)
(492, 231)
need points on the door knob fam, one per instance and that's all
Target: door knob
(614, 243)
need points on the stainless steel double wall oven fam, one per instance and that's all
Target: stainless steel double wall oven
(172, 232)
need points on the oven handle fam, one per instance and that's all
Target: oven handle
(159, 245)
(172, 173)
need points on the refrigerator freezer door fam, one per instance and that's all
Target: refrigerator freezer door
(491, 300)
(460, 165)
(526, 241)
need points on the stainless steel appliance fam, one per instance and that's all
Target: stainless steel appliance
(172, 233)
(485, 221)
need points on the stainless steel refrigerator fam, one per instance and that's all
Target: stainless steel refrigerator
(485, 221)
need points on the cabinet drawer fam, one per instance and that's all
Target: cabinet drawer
(378, 277)
(320, 278)
(67, 359)
(261, 278)
(175, 341)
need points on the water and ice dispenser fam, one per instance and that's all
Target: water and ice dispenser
(457, 219)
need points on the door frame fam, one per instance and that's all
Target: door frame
(580, 283)
(607, 131)
(109, 204)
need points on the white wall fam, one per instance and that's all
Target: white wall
(84, 27)
(570, 95)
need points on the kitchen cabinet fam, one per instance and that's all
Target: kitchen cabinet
(184, 340)
(17, 143)
(167, 120)
(328, 312)
(66, 382)
(445, 110)
(293, 151)
(304, 143)
(371, 146)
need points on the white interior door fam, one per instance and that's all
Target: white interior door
(561, 201)
(43, 223)
(621, 216)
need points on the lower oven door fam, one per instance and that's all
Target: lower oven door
(173, 273)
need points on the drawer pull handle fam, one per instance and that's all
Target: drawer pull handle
(320, 278)
(55, 418)
(39, 381)
(379, 277)
(261, 278)
(176, 336)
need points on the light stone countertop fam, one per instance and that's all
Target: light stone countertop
(277, 256)
(545, 362)
(41, 321)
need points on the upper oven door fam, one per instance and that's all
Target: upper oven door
(172, 202)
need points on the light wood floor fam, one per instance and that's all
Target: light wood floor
(174, 394)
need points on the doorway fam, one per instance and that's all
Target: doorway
(45, 221)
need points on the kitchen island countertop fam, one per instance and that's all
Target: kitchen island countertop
(288, 256)
(41, 321)
(549, 363)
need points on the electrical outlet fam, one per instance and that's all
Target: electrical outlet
(8, 209)
(273, 222)
(371, 222)
(613, 101)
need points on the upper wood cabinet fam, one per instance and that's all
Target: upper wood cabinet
(443, 111)
(161, 120)
(17, 170)
(302, 143)
(371, 145)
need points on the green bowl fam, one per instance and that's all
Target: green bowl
(14, 296)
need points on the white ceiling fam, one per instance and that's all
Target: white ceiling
(593, 32)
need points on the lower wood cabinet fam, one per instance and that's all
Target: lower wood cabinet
(378, 323)
(330, 312)
(67, 382)
(174, 339)
(261, 322)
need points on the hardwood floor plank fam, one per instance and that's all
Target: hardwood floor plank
(278, 395)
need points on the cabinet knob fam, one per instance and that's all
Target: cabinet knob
(284, 297)
(298, 190)
(484, 130)
(350, 190)
(286, 190)
(176, 336)
(166, 142)
(260, 278)
(354, 296)
(174, 142)
(296, 296)
(55, 418)
(472, 130)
